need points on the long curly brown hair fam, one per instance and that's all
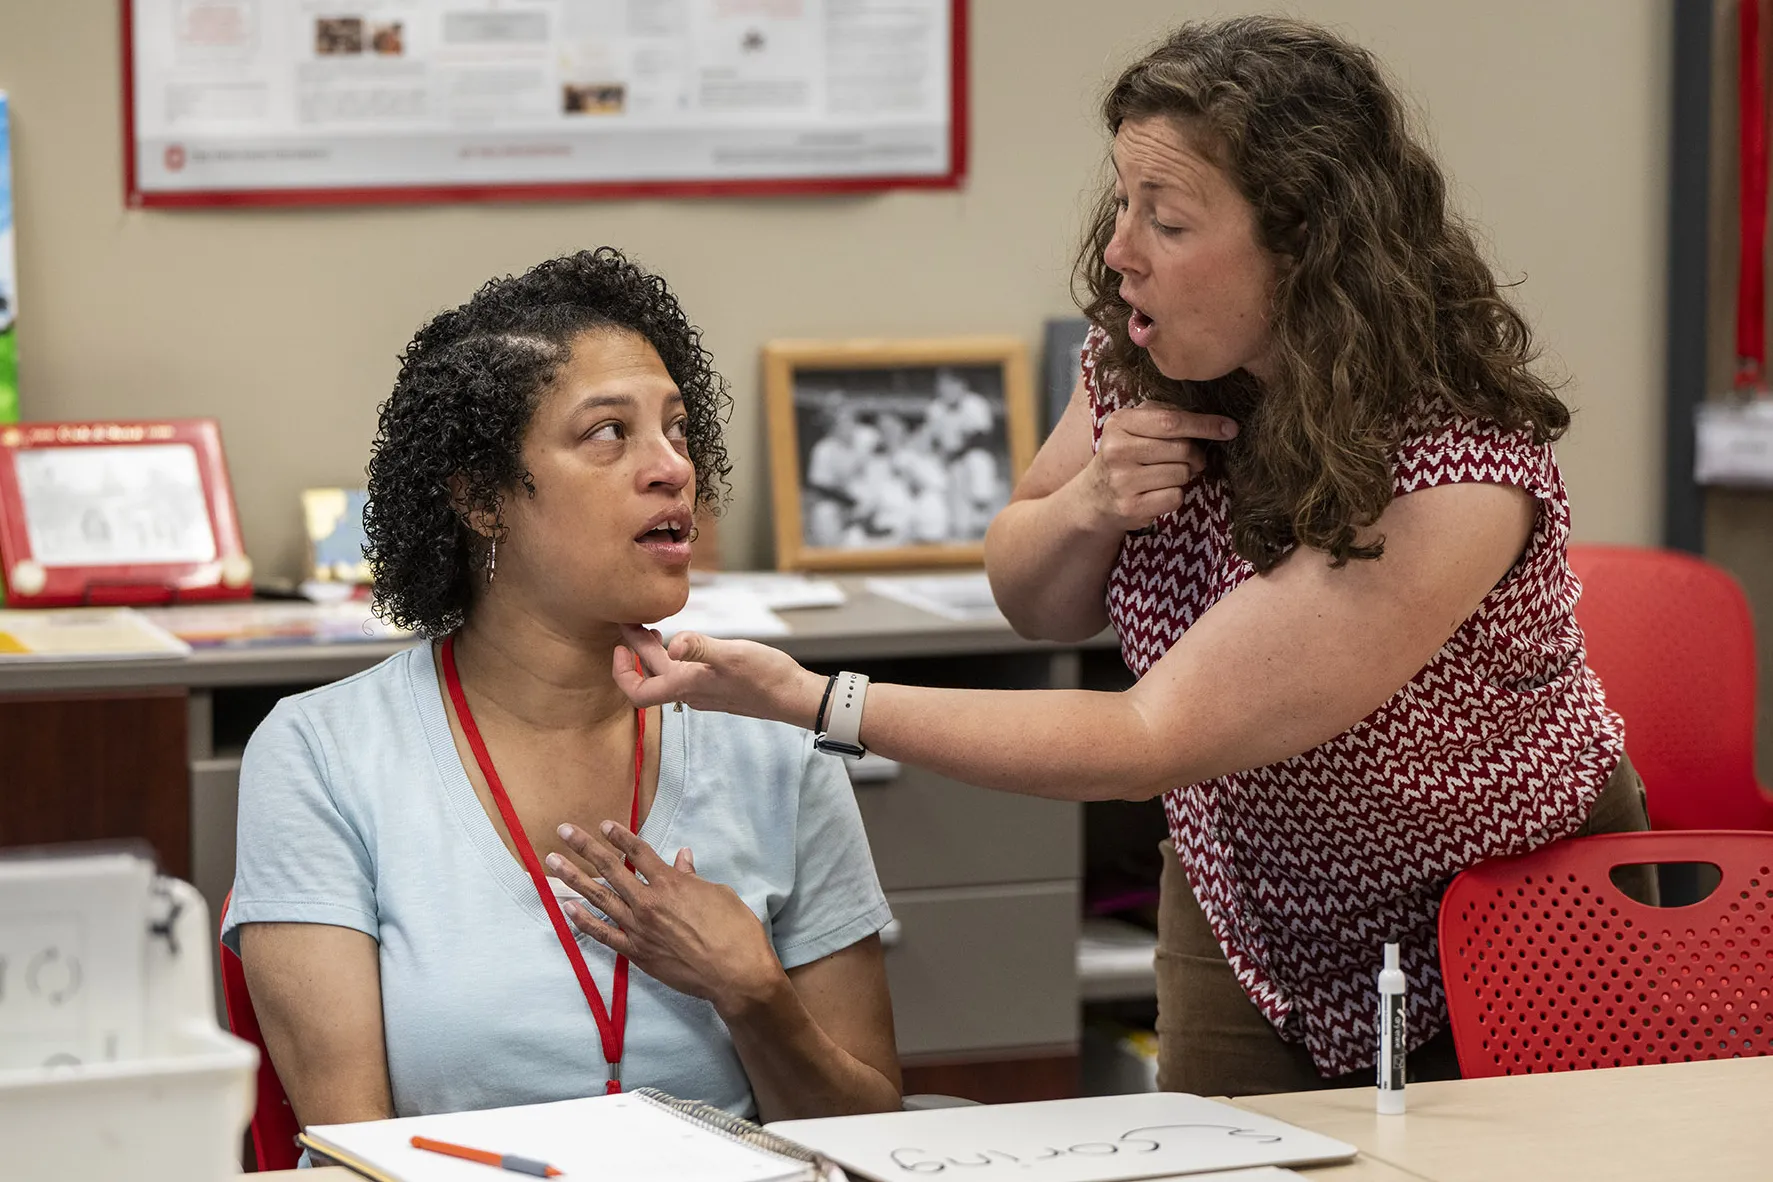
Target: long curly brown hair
(1385, 304)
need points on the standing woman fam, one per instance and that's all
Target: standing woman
(1307, 476)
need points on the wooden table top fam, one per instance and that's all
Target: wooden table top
(1711, 1120)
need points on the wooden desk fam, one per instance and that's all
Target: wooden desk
(152, 749)
(1711, 1121)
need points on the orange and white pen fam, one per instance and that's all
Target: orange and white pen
(505, 1161)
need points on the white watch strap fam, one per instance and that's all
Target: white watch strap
(843, 717)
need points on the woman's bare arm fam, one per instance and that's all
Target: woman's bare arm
(317, 992)
(1047, 558)
(823, 1045)
(1283, 663)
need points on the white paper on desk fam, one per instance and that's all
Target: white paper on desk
(1090, 1139)
(1114, 947)
(725, 612)
(85, 634)
(966, 598)
(780, 591)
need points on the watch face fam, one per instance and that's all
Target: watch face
(838, 747)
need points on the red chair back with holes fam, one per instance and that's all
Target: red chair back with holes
(1673, 642)
(274, 1125)
(1548, 966)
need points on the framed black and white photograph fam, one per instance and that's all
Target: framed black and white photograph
(894, 453)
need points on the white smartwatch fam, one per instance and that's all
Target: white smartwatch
(839, 725)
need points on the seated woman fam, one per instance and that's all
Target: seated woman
(414, 841)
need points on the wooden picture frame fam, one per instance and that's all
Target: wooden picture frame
(894, 453)
(118, 513)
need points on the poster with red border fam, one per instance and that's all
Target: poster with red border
(292, 102)
(118, 513)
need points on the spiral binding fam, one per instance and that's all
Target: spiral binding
(736, 1127)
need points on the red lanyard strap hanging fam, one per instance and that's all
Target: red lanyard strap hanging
(1751, 333)
(612, 1025)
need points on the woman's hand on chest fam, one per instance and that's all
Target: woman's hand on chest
(696, 936)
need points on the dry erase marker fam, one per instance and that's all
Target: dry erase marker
(505, 1161)
(1391, 1035)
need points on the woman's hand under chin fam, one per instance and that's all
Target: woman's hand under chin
(729, 676)
(696, 936)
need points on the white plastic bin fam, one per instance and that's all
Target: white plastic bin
(176, 1114)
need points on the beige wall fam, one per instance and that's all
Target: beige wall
(1550, 114)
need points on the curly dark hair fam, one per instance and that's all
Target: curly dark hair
(1386, 306)
(469, 383)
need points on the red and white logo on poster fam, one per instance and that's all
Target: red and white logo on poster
(175, 157)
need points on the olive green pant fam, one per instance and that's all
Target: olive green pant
(1213, 1041)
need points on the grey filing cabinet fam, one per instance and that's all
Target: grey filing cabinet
(984, 892)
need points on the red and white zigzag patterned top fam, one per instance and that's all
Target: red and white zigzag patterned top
(1500, 744)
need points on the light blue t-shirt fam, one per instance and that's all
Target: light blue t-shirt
(355, 811)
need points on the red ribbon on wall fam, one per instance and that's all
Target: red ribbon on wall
(1751, 333)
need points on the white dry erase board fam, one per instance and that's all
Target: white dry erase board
(1092, 1139)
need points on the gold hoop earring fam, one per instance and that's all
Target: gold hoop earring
(492, 561)
(695, 532)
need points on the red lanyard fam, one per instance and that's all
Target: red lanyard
(1751, 343)
(612, 1025)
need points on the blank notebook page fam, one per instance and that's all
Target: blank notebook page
(614, 1138)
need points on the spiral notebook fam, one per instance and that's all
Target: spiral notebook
(639, 1136)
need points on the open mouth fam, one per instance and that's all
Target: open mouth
(1139, 324)
(664, 533)
(1139, 327)
(670, 528)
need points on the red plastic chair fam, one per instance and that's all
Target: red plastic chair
(274, 1126)
(1673, 642)
(1548, 966)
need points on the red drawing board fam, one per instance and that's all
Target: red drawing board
(118, 513)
